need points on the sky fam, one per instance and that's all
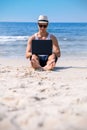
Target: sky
(56, 10)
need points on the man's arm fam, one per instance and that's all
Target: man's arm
(56, 48)
(28, 49)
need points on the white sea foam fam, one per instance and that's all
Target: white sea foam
(13, 38)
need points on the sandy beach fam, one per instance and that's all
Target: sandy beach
(43, 100)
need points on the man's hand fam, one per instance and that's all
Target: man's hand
(28, 54)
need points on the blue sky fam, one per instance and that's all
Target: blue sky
(56, 10)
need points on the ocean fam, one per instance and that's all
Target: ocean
(72, 38)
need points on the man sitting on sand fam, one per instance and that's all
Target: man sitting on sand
(49, 61)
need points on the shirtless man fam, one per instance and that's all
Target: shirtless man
(46, 62)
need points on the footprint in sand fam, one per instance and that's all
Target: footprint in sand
(42, 90)
(39, 99)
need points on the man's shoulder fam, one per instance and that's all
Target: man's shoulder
(52, 36)
(32, 37)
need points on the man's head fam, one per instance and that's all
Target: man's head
(43, 21)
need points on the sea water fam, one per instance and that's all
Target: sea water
(72, 38)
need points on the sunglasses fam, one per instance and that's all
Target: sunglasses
(44, 26)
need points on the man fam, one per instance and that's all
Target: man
(44, 62)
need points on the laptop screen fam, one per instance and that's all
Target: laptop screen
(42, 47)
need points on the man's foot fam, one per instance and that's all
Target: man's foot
(50, 65)
(35, 64)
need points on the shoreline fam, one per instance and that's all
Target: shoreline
(45, 100)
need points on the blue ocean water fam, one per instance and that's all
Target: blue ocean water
(72, 38)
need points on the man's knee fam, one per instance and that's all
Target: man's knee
(51, 57)
(34, 57)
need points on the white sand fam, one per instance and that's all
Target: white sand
(43, 100)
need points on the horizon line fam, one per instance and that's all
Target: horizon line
(36, 22)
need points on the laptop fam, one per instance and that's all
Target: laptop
(42, 47)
